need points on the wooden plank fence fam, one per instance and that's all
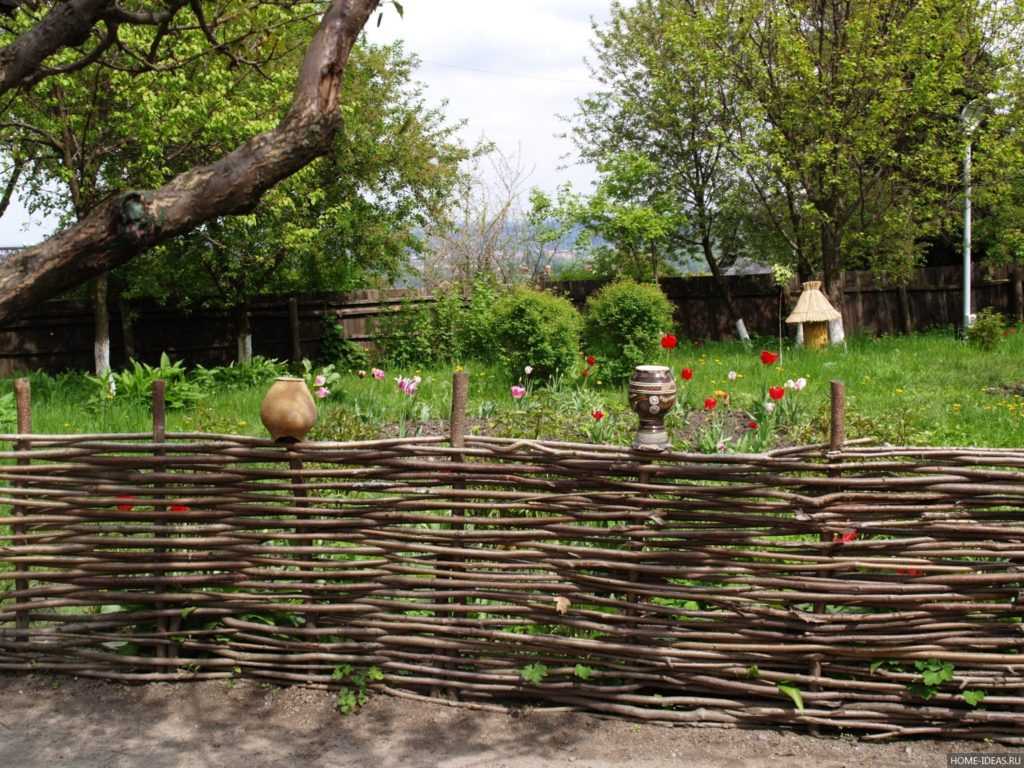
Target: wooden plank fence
(58, 335)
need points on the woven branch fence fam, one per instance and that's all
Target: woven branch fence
(881, 588)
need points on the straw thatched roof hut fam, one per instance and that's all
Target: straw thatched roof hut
(814, 312)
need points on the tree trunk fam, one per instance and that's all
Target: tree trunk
(294, 330)
(127, 329)
(243, 334)
(101, 326)
(906, 321)
(831, 262)
(1017, 292)
(723, 287)
(127, 224)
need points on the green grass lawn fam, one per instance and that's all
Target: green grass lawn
(924, 389)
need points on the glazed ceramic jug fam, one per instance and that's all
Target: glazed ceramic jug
(288, 410)
(652, 393)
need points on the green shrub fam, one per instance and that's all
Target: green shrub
(536, 329)
(405, 336)
(336, 350)
(257, 372)
(987, 330)
(475, 339)
(135, 385)
(625, 321)
(451, 329)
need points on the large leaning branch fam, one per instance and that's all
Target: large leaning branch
(131, 222)
(68, 24)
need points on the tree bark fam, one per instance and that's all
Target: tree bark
(12, 182)
(127, 329)
(723, 287)
(67, 24)
(831, 262)
(243, 334)
(131, 222)
(294, 331)
(906, 321)
(1017, 292)
(101, 326)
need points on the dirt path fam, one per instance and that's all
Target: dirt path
(50, 721)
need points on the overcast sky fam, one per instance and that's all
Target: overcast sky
(509, 68)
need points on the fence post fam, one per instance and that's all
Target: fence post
(837, 437)
(293, 328)
(457, 437)
(23, 398)
(163, 623)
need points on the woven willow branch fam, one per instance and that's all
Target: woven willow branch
(672, 587)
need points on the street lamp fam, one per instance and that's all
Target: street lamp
(970, 116)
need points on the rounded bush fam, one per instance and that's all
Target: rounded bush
(536, 329)
(625, 321)
(987, 330)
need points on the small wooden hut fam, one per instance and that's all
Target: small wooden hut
(814, 312)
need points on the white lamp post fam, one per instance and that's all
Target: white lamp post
(969, 118)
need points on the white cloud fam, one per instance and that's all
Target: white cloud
(509, 69)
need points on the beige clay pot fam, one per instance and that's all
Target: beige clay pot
(288, 410)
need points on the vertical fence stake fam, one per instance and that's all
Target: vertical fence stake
(293, 328)
(837, 437)
(301, 494)
(457, 438)
(163, 623)
(23, 398)
(838, 434)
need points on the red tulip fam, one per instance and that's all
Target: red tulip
(751, 425)
(598, 415)
(591, 360)
(846, 537)
(776, 393)
(179, 508)
(769, 358)
(669, 341)
(910, 572)
(126, 507)
(687, 374)
(710, 404)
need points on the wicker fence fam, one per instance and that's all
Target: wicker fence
(876, 590)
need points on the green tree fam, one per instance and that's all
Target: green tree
(849, 115)
(352, 217)
(664, 101)
(628, 226)
(44, 40)
(83, 135)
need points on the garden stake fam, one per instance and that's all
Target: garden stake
(837, 437)
(23, 399)
(457, 436)
(457, 439)
(160, 505)
(301, 494)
